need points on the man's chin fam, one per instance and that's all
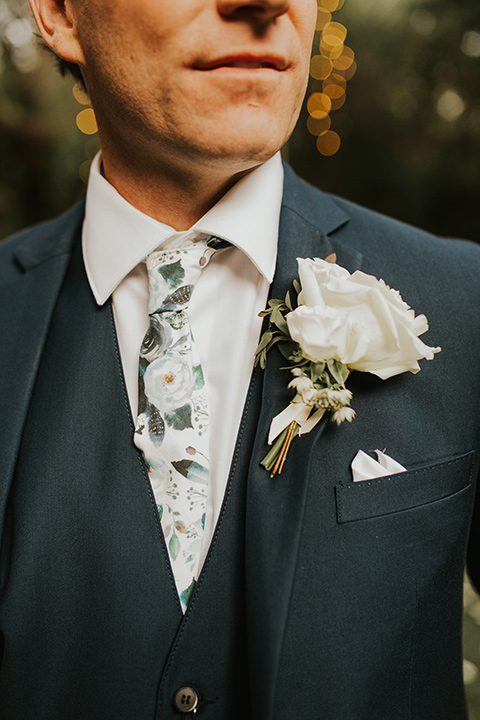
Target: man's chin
(249, 142)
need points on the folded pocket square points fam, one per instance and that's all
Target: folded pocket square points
(364, 467)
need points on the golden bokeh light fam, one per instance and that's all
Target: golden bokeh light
(348, 74)
(323, 18)
(319, 126)
(339, 102)
(80, 95)
(345, 60)
(335, 79)
(335, 30)
(332, 40)
(331, 5)
(331, 68)
(86, 121)
(329, 50)
(319, 105)
(320, 67)
(334, 92)
(328, 143)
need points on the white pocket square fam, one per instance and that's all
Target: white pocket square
(365, 467)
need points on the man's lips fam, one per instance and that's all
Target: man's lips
(248, 62)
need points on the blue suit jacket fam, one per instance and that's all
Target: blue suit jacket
(354, 591)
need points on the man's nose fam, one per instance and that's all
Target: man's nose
(263, 9)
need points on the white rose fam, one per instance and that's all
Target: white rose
(169, 382)
(357, 320)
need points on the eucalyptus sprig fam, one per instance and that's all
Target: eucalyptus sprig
(277, 332)
(320, 386)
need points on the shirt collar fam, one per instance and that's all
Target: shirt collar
(117, 236)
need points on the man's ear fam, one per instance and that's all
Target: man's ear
(57, 24)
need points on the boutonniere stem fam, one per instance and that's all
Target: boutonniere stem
(339, 323)
(275, 458)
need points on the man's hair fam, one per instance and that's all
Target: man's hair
(72, 69)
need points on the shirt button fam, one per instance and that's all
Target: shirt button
(185, 700)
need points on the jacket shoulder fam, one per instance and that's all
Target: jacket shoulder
(383, 241)
(39, 243)
(380, 233)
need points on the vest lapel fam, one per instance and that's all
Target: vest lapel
(275, 506)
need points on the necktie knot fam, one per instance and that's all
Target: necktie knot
(173, 273)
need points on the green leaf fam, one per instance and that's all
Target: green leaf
(192, 470)
(344, 371)
(324, 379)
(288, 302)
(280, 322)
(278, 338)
(180, 419)
(182, 344)
(287, 348)
(333, 370)
(173, 273)
(198, 378)
(187, 593)
(297, 286)
(302, 364)
(265, 339)
(174, 546)
(338, 371)
(261, 359)
(316, 371)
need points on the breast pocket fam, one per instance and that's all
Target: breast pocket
(404, 491)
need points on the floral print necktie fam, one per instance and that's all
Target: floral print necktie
(172, 423)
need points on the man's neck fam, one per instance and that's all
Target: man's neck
(175, 198)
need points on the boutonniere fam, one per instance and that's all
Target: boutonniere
(341, 322)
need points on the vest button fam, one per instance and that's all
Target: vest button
(185, 700)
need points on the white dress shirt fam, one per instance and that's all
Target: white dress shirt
(231, 291)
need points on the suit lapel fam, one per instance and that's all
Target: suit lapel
(275, 506)
(27, 304)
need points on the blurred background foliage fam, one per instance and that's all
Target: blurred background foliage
(392, 121)
(410, 124)
(41, 147)
(401, 132)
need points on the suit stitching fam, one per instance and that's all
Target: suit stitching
(386, 513)
(374, 481)
(357, 486)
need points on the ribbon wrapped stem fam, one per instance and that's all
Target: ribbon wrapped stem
(275, 458)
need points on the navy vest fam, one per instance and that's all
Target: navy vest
(89, 615)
